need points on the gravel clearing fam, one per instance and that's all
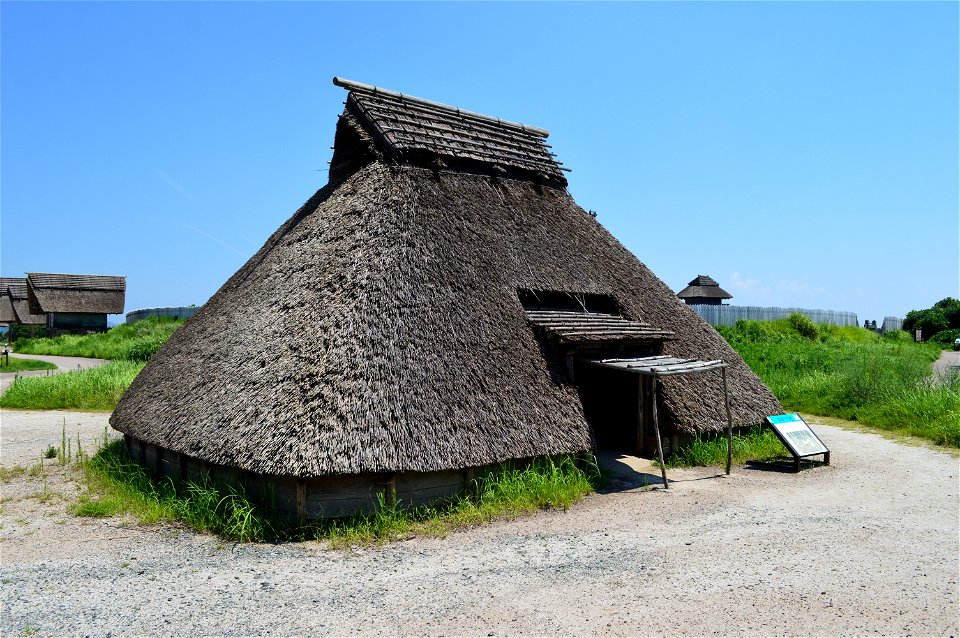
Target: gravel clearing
(868, 546)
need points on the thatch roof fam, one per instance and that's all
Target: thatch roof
(57, 292)
(7, 314)
(18, 303)
(408, 129)
(388, 335)
(704, 287)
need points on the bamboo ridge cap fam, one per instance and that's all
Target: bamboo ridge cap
(350, 85)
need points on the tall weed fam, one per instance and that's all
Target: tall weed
(117, 485)
(92, 389)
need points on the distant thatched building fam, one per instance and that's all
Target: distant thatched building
(75, 303)
(7, 315)
(14, 307)
(434, 309)
(704, 290)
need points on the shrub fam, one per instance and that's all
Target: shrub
(946, 337)
(898, 336)
(944, 314)
(803, 325)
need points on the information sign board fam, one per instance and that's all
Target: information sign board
(797, 436)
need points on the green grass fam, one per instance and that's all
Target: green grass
(853, 374)
(117, 485)
(19, 365)
(754, 444)
(137, 341)
(95, 389)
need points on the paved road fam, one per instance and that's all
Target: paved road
(64, 364)
(948, 360)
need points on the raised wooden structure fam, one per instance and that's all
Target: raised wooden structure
(704, 290)
(75, 303)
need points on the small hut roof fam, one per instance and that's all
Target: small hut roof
(59, 292)
(20, 305)
(704, 286)
(391, 335)
(7, 314)
(418, 131)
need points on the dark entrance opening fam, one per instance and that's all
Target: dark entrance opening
(612, 406)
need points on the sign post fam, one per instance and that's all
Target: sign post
(797, 436)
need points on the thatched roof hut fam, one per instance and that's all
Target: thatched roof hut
(14, 305)
(58, 292)
(704, 290)
(388, 332)
(7, 315)
(75, 303)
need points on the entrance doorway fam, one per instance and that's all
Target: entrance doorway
(612, 406)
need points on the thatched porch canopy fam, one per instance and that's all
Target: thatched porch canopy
(57, 292)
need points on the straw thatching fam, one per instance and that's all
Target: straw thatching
(7, 314)
(704, 289)
(95, 294)
(380, 329)
(19, 304)
(416, 318)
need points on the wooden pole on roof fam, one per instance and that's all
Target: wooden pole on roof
(656, 428)
(726, 402)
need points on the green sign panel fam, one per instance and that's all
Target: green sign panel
(797, 435)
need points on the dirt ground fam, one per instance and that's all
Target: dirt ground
(866, 546)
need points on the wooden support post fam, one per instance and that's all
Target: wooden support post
(182, 469)
(639, 442)
(656, 428)
(390, 491)
(726, 403)
(301, 500)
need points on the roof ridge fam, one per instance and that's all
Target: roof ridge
(350, 85)
(75, 274)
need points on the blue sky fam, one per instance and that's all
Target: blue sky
(803, 154)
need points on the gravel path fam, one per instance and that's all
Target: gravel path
(24, 433)
(64, 364)
(868, 546)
